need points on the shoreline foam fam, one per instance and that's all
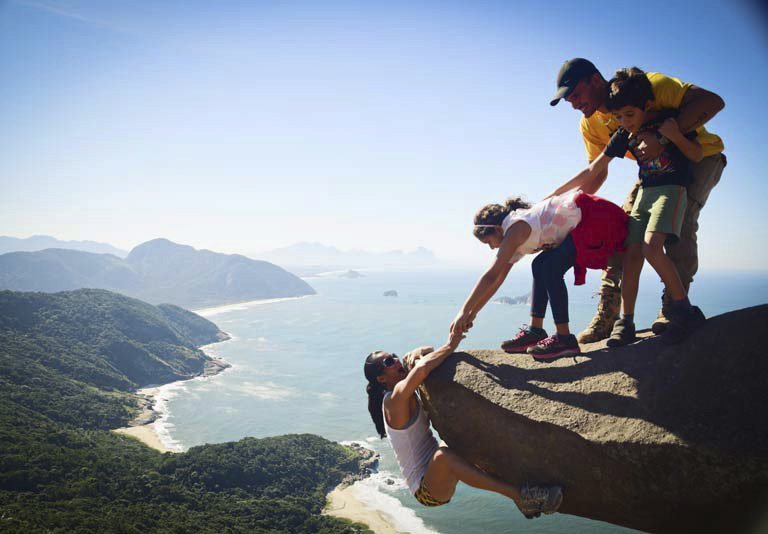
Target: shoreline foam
(151, 426)
(237, 306)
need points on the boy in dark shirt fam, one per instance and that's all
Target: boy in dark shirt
(657, 214)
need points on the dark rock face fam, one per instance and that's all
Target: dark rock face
(661, 439)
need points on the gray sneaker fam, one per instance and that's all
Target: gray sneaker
(537, 500)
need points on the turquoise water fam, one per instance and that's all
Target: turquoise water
(297, 367)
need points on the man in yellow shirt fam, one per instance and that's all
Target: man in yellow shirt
(581, 84)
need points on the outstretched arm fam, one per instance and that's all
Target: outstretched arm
(590, 179)
(493, 277)
(403, 390)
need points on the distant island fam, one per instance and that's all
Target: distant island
(522, 299)
(390, 293)
(314, 258)
(351, 274)
(69, 364)
(156, 271)
(42, 242)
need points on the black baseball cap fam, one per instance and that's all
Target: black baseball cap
(571, 73)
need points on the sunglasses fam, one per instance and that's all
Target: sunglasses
(389, 361)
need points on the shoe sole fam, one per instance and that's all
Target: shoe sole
(553, 356)
(558, 502)
(519, 350)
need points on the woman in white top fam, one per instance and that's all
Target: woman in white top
(432, 471)
(569, 230)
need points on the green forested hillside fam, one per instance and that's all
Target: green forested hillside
(68, 363)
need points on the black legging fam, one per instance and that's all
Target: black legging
(548, 268)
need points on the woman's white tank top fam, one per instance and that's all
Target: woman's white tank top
(414, 445)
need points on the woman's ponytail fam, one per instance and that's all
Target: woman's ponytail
(375, 398)
(375, 390)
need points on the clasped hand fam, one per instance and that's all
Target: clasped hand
(462, 323)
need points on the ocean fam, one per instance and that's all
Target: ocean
(297, 367)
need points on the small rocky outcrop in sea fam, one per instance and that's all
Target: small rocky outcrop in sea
(651, 437)
(390, 293)
(351, 274)
(522, 299)
(368, 461)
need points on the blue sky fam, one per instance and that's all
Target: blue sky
(245, 126)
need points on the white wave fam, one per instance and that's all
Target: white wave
(375, 493)
(163, 427)
(218, 310)
(327, 396)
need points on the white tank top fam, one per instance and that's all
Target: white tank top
(414, 445)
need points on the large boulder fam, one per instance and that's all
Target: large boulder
(657, 438)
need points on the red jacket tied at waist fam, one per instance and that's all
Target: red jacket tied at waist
(601, 232)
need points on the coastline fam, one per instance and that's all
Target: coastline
(144, 426)
(343, 503)
(244, 305)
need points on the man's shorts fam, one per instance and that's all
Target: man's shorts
(657, 209)
(424, 497)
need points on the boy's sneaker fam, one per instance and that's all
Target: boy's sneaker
(623, 333)
(536, 500)
(526, 337)
(554, 347)
(682, 324)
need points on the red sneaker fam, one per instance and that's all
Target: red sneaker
(525, 338)
(554, 347)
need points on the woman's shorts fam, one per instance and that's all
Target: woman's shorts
(424, 497)
(657, 209)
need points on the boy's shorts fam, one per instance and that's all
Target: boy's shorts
(657, 209)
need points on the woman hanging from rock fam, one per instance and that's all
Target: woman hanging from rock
(432, 471)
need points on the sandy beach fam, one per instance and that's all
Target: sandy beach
(343, 503)
(143, 425)
(145, 434)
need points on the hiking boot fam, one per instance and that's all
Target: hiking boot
(536, 500)
(623, 333)
(682, 324)
(526, 337)
(602, 323)
(661, 323)
(555, 347)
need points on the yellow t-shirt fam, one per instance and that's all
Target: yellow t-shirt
(667, 94)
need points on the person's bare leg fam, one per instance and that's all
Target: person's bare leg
(448, 468)
(537, 322)
(653, 250)
(633, 265)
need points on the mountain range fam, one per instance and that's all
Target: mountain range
(42, 242)
(156, 271)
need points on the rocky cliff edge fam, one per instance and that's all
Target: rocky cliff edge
(656, 438)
